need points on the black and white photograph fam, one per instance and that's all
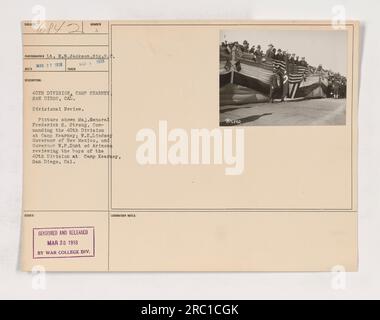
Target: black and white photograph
(282, 77)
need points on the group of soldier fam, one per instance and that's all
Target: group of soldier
(257, 54)
(279, 83)
(337, 87)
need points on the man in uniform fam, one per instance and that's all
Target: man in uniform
(269, 53)
(252, 52)
(279, 55)
(285, 86)
(274, 84)
(336, 87)
(292, 59)
(286, 56)
(258, 53)
(235, 55)
(303, 62)
(245, 46)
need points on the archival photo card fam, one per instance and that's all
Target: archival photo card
(138, 157)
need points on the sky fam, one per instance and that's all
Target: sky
(328, 48)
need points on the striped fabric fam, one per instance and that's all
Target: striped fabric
(296, 73)
(264, 69)
(257, 75)
(260, 72)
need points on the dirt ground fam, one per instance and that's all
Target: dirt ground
(290, 113)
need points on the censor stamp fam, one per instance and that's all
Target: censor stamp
(63, 242)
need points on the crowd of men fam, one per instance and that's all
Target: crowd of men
(257, 54)
(337, 83)
(337, 87)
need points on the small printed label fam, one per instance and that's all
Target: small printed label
(63, 242)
